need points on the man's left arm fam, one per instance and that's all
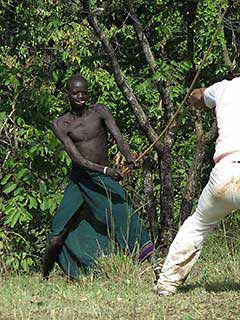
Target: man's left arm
(206, 97)
(111, 125)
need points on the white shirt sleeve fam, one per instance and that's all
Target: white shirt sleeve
(211, 93)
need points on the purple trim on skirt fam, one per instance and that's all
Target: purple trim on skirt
(146, 251)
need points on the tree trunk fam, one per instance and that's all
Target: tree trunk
(149, 184)
(166, 233)
(193, 181)
(167, 229)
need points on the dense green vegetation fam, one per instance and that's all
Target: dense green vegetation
(43, 43)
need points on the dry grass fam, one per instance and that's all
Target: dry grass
(212, 292)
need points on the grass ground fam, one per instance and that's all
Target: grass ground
(123, 291)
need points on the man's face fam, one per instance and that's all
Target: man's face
(78, 93)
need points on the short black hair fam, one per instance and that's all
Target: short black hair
(74, 78)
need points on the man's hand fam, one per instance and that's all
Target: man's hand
(114, 174)
(196, 98)
(131, 163)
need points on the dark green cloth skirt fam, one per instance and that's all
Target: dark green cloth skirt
(100, 220)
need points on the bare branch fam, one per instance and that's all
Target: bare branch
(7, 119)
(161, 85)
(6, 158)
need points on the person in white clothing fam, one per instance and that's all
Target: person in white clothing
(222, 192)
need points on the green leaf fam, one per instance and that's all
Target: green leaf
(12, 80)
(52, 205)
(64, 170)
(6, 178)
(9, 210)
(9, 187)
(20, 122)
(55, 76)
(10, 164)
(44, 205)
(189, 162)
(32, 203)
(13, 218)
(34, 149)
(19, 191)
(21, 173)
(25, 215)
(43, 188)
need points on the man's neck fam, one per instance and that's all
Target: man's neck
(79, 112)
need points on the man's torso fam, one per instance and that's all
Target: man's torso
(88, 133)
(228, 115)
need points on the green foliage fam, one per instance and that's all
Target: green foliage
(43, 43)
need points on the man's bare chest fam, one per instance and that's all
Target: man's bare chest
(86, 128)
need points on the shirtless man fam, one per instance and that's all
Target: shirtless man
(83, 133)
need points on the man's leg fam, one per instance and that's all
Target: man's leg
(55, 243)
(51, 254)
(187, 245)
(66, 214)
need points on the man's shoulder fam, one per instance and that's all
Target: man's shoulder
(62, 121)
(101, 109)
(216, 88)
(63, 118)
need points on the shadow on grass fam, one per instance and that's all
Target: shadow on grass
(221, 286)
(189, 287)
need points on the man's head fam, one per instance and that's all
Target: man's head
(77, 87)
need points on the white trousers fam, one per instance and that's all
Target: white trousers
(220, 197)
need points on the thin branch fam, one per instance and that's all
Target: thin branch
(7, 119)
(6, 158)
(161, 85)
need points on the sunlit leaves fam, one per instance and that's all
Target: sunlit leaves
(43, 43)
(9, 187)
